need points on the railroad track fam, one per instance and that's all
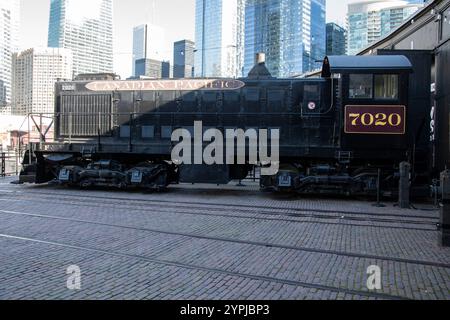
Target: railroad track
(230, 240)
(181, 265)
(259, 213)
(73, 193)
(304, 209)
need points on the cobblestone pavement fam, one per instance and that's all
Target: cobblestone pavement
(198, 242)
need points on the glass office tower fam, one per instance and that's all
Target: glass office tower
(183, 59)
(219, 38)
(290, 32)
(336, 40)
(9, 44)
(369, 21)
(148, 43)
(85, 27)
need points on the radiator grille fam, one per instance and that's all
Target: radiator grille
(85, 115)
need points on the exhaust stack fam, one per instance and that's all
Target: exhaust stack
(260, 58)
(260, 70)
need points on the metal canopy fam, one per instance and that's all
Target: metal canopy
(340, 64)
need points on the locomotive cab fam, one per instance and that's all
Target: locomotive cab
(374, 104)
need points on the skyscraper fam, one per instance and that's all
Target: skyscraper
(290, 32)
(219, 38)
(151, 68)
(85, 27)
(9, 43)
(183, 59)
(148, 43)
(318, 33)
(166, 70)
(368, 21)
(35, 72)
(336, 40)
(2, 93)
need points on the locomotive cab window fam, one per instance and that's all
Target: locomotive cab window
(378, 86)
(360, 86)
(386, 86)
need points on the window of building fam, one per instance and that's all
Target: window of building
(386, 86)
(361, 86)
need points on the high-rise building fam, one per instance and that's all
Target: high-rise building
(9, 43)
(368, 21)
(35, 72)
(183, 59)
(336, 40)
(2, 93)
(290, 32)
(166, 70)
(152, 68)
(85, 27)
(148, 43)
(318, 32)
(219, 38)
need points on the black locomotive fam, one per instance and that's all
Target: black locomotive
(337, 132)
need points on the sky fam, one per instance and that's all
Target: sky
(177, 17)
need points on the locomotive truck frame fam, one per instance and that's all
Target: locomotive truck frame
(336, 132)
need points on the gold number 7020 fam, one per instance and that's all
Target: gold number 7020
(379, 120)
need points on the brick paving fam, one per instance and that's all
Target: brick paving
(198, 242)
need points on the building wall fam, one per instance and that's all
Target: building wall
(2, 94)
(183, 59)
(35, 72)
(290, 33)
(336, 40)
(263, 29)
(9, 43)
(85, 27)
(152, 68)
(318, 34)
(148, 43)
(166, 70)
(369, 21)
(219, 38)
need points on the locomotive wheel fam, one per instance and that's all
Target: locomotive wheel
(85, 183)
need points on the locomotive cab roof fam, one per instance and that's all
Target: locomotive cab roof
(346, 64)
